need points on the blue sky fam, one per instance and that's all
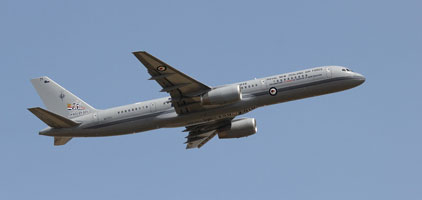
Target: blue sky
(363, 143)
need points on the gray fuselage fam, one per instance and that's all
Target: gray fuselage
(159, 113)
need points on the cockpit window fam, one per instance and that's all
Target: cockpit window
(343, 69)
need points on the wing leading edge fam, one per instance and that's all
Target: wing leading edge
(185, 94)
(183, 89)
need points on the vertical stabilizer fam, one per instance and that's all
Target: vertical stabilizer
(58, 100)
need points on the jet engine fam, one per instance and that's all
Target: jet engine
(222, 95)
(238, 128)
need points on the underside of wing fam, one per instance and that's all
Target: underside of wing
(183, 89)
(197, 141)
(200, 134)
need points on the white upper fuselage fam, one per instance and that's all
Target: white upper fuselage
(159, 113)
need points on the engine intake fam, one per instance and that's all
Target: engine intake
(222, 95)
(238, 128)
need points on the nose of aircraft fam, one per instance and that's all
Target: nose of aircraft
(359, 78)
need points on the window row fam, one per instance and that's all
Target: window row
(290, 78)
(249, 86)
(132, 110)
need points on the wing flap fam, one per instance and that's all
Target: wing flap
(160, 76)
(200, 134)
(198, 142)
(174, 87)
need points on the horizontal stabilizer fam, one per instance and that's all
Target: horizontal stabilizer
(51, 119)
(61, 140)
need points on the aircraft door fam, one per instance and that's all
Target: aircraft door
(263, 84)
(328, 71)
(95, 117)
(152, 107)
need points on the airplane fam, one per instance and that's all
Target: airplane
(204, 111)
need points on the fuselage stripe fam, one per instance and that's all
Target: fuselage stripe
(260, 93)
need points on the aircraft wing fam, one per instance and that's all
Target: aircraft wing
(199, 140)
(183, 89)
(202, 133)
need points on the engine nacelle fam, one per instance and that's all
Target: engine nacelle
(223, 95)
(239, 128)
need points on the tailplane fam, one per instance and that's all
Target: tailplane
(51, 119)
(58, 140)
(55, 121)
(58, 100)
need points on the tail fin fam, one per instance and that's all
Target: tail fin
(59, 100)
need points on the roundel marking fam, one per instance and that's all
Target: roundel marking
(273, 91)
(161, 68)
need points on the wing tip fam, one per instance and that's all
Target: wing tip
(139, 52)
(33, 108)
